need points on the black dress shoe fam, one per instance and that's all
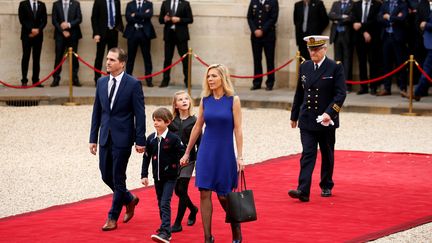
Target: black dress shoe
(149, 84)
(373, 92)
(23, 84)
(255, 88)
(415, 97)
(362, 91)
(298, 194)
(326, 193)
(176, 228)
(269, 88)
(39, 86)
(192, 217)
(76, 84)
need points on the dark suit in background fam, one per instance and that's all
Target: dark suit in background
(31, 22)
(66, 37)
(262, 16)
(425, 18)
(139, 32)
(318, 92)
(394, 36)
(367, 50)
(316, 22)
(415, 37)
(118, 128)
(341, 35)
(175, 34)
(108, 34)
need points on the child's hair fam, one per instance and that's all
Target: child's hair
(163, 113)
(175, 111)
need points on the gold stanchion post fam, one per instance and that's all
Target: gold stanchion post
(411, 88)
(71, 102)
(189, 81)
(298, 62)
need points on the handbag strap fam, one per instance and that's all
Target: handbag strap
(242, 180)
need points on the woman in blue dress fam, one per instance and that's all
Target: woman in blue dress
(217, 165)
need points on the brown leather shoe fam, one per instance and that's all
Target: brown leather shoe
(383, 93)
(130, 209)
(404, 94)
(109, 225)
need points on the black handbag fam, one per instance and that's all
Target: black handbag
(241, 204)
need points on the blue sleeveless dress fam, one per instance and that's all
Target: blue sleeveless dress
(216, 165)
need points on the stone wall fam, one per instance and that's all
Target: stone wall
(219, 34)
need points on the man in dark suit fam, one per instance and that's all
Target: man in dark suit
(425, 24)
(367, 41)
(319, 96)
(262, 17)
(175, 15)
(106, 22)
(310, 18)
(392, 16)
(139, 32)
(33, 18)
(66, 18)
(119, 120)
(341, 35)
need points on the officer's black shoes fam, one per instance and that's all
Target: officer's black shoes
(255, 88)
(269, 88)
(164, 83)
(326, 193)
(298, 194)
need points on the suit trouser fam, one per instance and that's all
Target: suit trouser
(139, 39)
(164, 191)
(61, 46)
(343, 52)
(171, 41)
(394, 50)
(269, 50)
(423, 85)
(110, 40)
(310, 140)
(28, 45)
(112, 164)
(367, 54)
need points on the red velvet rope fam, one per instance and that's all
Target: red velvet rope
(140, 78)
(256, 76)
(163, 70)
(90, 66)
(423, 72)
(40, 82)
(378, 78)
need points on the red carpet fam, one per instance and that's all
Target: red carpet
(375, 194)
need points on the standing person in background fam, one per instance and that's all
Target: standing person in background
(106, 22)
(367, 41)
(319, 96)
(414, 34)
(139, 32)
(217, 166)
(310, 18)
(164, 149)
(175, 15)
(33, 19)
(119, 120)
(341, 35)
(262, 17)
(182, 125)
(425, 24)
(392, 16)
(66, 18)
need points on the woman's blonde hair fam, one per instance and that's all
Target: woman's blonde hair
(175, 111)
(225, 77)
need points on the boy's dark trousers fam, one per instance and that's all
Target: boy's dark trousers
(164, 192)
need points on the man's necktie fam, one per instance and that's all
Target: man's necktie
(392, 6)
(111, 14)
(111, 93)
(365, 12)
(316, 67)
(65, 10)
(138, 6)
(305, 17)
(173, 7)
(34, 8)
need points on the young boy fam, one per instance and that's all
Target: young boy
(164, 149)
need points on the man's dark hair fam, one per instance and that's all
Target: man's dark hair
(122, 54)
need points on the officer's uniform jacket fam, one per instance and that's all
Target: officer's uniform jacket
(317, 92)
(264, 17)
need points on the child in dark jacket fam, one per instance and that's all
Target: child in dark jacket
(164, 149)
